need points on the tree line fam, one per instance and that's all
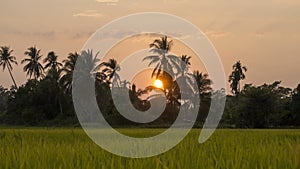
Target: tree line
(46, 98)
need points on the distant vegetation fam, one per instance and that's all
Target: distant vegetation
(45, 99)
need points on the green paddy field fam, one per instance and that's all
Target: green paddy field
(38, 148)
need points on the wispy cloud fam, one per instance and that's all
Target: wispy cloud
(89, 13)
(108, 2)
(81, 35)
(177, 1)
(217, 34)
(259, 34)
(46, 34)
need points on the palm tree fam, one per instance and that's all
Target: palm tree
(140, 92)
(53, 74)
(184, 75)
(185, 63)
(204, 91)
(51, 62)
(110, 69)
(69, 65)
(53, 66)
(88, 65)
(33, 66)
(164, 61)
(237, 74)
(6, 61)
(203, 82)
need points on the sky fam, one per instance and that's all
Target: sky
(263, 35)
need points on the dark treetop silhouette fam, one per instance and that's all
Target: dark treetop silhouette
(46, 99)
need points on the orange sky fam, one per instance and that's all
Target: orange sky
(264, 35)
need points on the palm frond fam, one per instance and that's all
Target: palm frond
(151, 57)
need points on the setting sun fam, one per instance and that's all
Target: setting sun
(158, 83)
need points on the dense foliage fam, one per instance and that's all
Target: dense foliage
(46, 99)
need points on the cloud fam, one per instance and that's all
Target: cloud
(177, 1)
(108, 2)
(89, 13)
(217, 34)
(46, 34)
(259, 34)
(82, 35)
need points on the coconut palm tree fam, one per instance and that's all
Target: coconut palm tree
(52, 62)
(67, 71)
(6, 61)
(33, 66)
(236, 75)
(111, 69)
(203, 82)
(183, 75)
(88, 65)
(204, 91)
(53, 66)
(164, 62)
(185, 63)
(53, 74)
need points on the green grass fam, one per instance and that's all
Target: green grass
(71, 148)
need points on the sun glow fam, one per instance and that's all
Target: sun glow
(158, 83)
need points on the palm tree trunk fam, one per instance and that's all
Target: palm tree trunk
(59, 97)
(12, 76)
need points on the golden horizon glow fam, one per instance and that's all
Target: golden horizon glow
(158, 83)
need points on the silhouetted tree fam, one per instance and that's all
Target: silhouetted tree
(110, 69)
(88, 64)
(67, 72)
(184, 64)
(182, 77)
(183, 74)
(33, 66)
(204, 91)
(262, 106)
(237, 74)
(6, 61)
(3, 99)
(203, 82)
(52, 62)
(53, 74)
(164, 62)
(296, 105)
